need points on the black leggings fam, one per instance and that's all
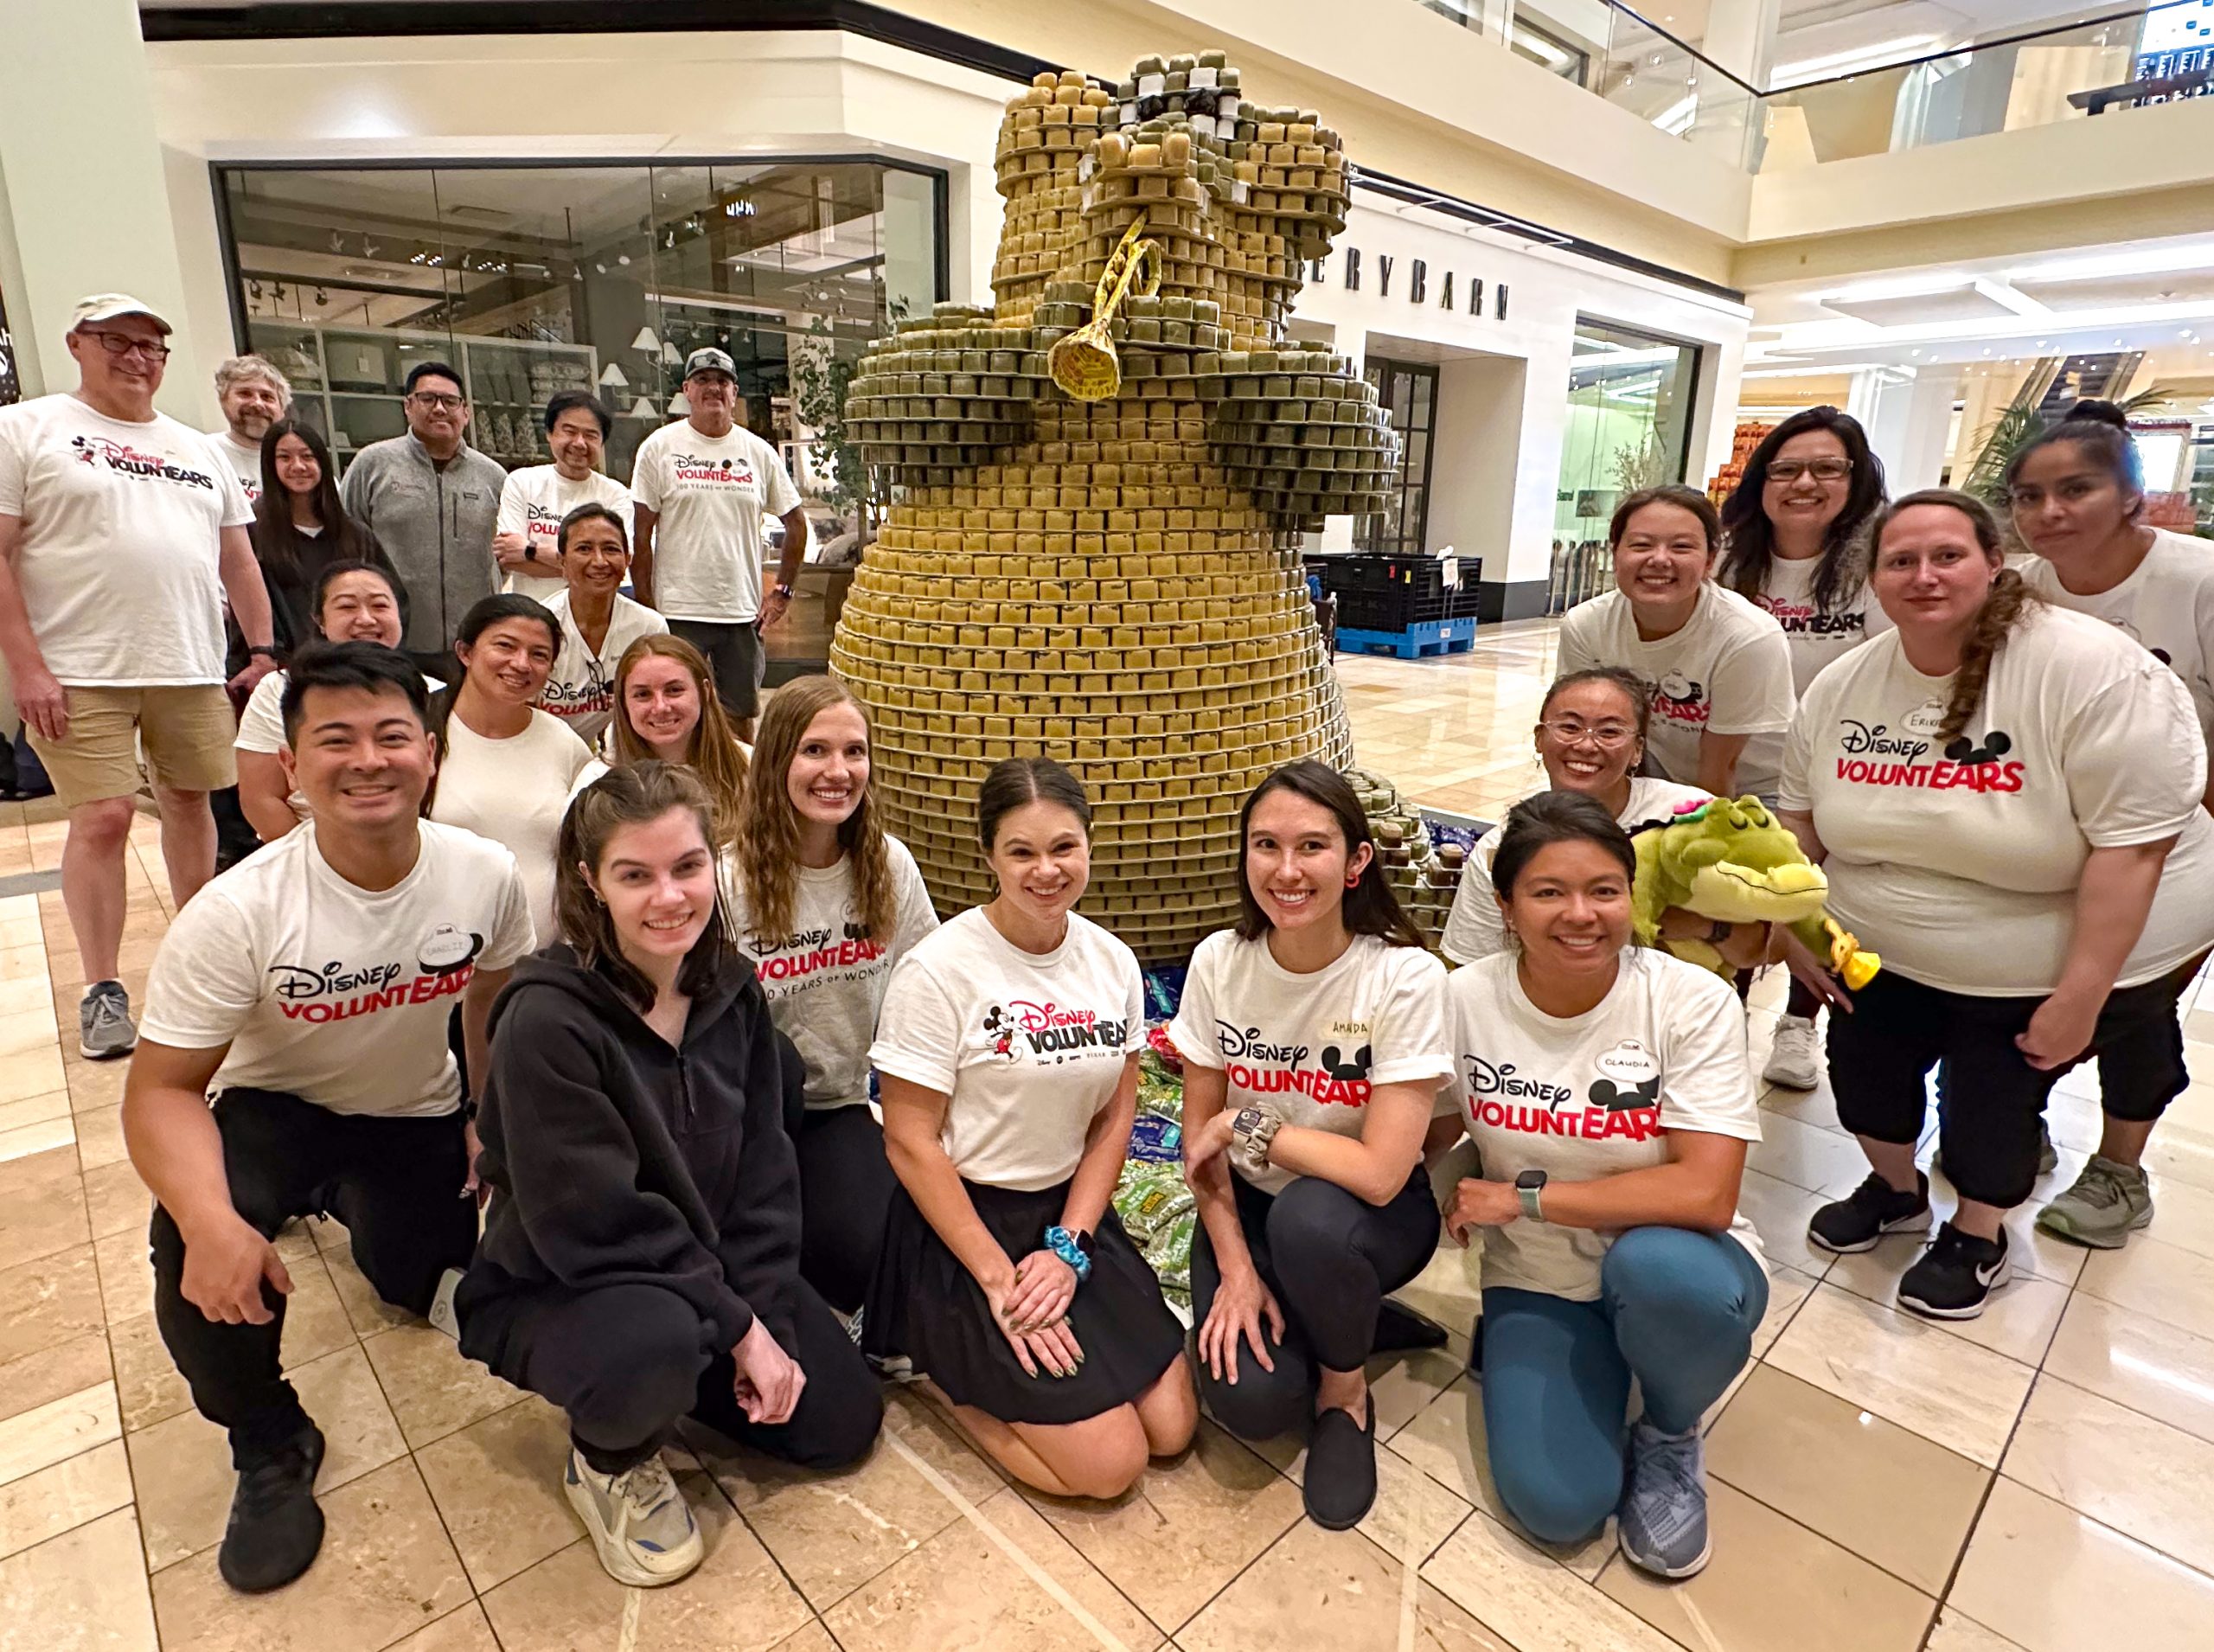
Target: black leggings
(627, 1361)
(846, 1187)
(1329, 1257)
(395, 1182)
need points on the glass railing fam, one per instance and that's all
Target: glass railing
(1709, 94)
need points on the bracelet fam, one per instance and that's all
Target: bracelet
(262, 648)
(1070, 1249)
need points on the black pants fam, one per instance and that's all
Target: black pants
(2139, 1046)
(626, 1361)
(846, 1186)
(395, 1182)
(737, 657)
(1329, 1257)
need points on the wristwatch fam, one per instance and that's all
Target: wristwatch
(1250, 1133)
(782, 590)
(268, 649)
(529, 552)
(1718, 931)
(1527, 1187)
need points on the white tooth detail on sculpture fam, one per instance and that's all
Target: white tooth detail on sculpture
(1116, 581)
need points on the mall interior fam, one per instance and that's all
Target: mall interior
(1588, 249)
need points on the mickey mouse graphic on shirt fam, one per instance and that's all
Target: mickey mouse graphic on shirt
(1342, 1069)
(1680, 699)
(999, 1026)
(445, 951)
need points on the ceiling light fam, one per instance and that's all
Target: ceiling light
(1910, 286)
(2154, 260)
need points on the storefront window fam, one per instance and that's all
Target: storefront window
(533, 279)
(1630, 402)
(1409, 391)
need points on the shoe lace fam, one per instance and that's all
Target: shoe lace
(1668, 1465)
(2099, 1186)
(645, 1488)
(1874, 1195)
(106, 1010)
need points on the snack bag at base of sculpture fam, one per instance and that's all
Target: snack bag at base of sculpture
(1732, 861)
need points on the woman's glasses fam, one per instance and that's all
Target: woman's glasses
(1608, 737)
(1789, 470)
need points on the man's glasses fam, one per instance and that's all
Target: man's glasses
(437, 402)
(124, 344)
(1789, 470)
(1608, 737)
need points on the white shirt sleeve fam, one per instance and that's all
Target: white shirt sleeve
(237, 512)
(1192, 1031)
(1795, 788)
(1751, 692)
(778, 493)
(2135, 760)
(1710, 1084)
(514, 510)
(1577, 648)
(206, 979)
(1133, 1038)
(512, 935)
(917, 1033)
(1473, 928)
(645, 475)
(14, 466)
(1408, 1041)
(261, 725)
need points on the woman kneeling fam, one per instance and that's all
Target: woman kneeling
(1608, 1092)
(641, 1263)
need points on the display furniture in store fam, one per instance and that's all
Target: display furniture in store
(1112, 576)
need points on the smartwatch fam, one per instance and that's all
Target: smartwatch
(529, 552)
(1527, 1187)
(1718, 931)
(784, 591)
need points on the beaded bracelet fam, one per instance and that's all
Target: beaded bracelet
(1063, 1245)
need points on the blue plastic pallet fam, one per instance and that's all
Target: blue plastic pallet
(1424, 637)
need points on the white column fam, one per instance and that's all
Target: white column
(86, 191)
(1919, 458)
(1741, 37)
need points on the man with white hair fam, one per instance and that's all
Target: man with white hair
(254, 395)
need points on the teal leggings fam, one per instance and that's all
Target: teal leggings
(1676, 1310)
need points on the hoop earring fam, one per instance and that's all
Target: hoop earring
(1353, 882)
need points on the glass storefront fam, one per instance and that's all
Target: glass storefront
(1408, 391)
(533, 279)
(1629, 406)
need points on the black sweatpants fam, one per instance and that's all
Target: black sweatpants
(734, 655)
(846, 1186)
(626, 1361)
(1329, 1257)
(397, 1185)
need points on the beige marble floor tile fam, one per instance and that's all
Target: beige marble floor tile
(33, 1109)
(1788, 1291)
(1530, 1602)
(65, 1368)
(116, 1200)
(24, 1031)
(1413, 1513)
(93, 1086)
(832, 1533)
(1779, 1213)
(2156, 1279)
(386, 1571)
(28, 1139)
(1807, 1155)
(2018, 1322)
(84, 1589)
(369, 1312)
(1336, 1590)
(62, 1496)
(1955, 1631)
(1927, 1379)
(2137, 1361)
(52, 1300)
(44, 1435)
(465, 1630)
(1817, 1107)
(2182, 1215)
(2050, 1579)
(31, 1072)
(497, 1484)
(2182, 1152)
(962, 1589)
(1891, 1496)
(41, 1205)
(182, 1466)
(99, 1136)
(2122, 1468)
(433, 1390)
(1188, 1528)
(145, 1377)
(127, 1270)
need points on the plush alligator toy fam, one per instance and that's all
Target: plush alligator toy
(1734, 863)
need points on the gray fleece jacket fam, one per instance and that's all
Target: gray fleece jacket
(436, 526)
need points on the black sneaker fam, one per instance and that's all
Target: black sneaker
(276, 1527)
(1956, 1275)
(1341, 1480)
(1400, 1329)
(1874, 1208)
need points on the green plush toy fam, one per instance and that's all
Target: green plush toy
(1734, 863)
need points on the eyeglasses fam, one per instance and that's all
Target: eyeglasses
(1789, 470)
(124, 344)
(1608, 737)
(433, 399)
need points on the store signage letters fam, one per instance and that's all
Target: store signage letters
(1416, 285)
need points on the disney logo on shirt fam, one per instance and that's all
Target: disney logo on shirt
(1049, 1030)
(1804, 619)
(811, 952)
(1681, 700)
(445, 962)
(594, 695)
(1877, 756)
(1623, 1099)
(126, 460)
(1255, 1064)
(690, 467)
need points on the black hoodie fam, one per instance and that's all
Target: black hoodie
(616, 1159)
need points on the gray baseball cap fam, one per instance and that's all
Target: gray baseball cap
(710, 360)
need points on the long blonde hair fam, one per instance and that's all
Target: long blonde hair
(714, 753)
(768, 838)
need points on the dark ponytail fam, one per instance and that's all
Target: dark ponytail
(2002, 611)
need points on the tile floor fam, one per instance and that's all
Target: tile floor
(2035, 1480)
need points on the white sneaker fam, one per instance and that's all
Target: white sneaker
(1794, 1060)
(638, 1521)
(443, 1317)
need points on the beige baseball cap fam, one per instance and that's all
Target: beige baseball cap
(106, 306)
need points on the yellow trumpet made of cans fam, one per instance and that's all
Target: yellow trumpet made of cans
(1084, 364)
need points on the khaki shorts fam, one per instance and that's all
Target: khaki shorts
(187, 732)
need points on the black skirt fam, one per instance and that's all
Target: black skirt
(923, 1304)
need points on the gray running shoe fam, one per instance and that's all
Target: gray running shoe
(638, 1520)
(2107, 1203)
(105, 1028)
(1662, 1525)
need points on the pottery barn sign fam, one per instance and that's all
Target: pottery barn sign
(1415, 282)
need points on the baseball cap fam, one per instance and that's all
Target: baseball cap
(106, 306)
(708, 359)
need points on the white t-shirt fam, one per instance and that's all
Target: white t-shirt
(122, 547)
(515, 791)
(1311, 1047)
(581, 689)
(245, 460)
(1961, 867)
(825, 981)
(533, 503)
(709, 493)
(1593, 1095)
(1815, 638)
(261, 725)
(1028, 1046)
(2168, 604)
(1473, 928)
(332, 993)
(1728, 670)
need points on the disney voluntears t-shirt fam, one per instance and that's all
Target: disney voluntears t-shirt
(533, 503)
(122, 546)
(338, 994)
(1960, 865)
(1028, 1046)
(1815, 636)
(1588, 1096)
(1728, 670)
(826, 980)
(2167, 606)
(1311, 1049)
(709, 493)
(245, 460)
(581, 688)
(1473, 928)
